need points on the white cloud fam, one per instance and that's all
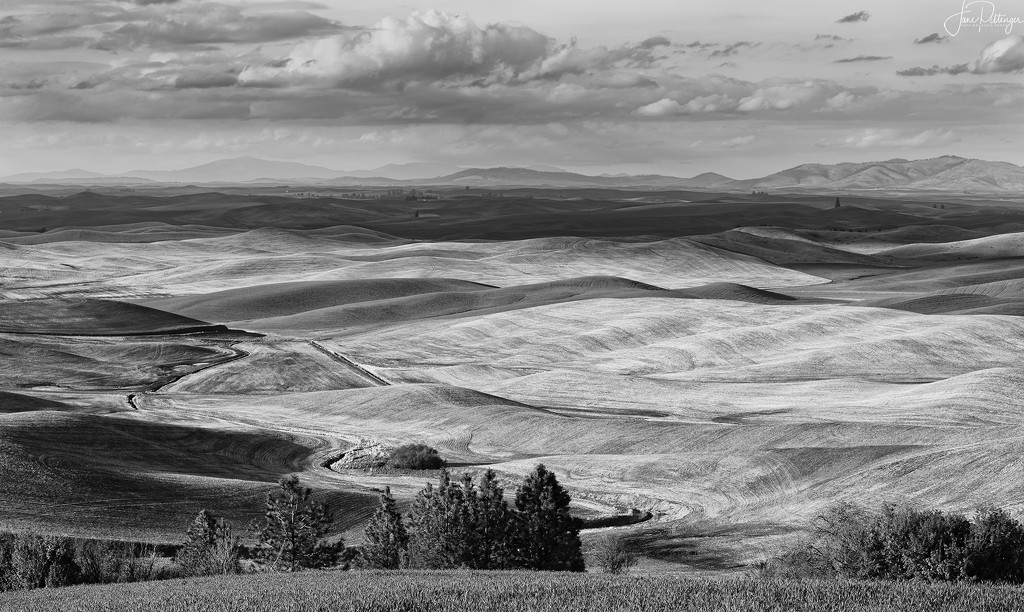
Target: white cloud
(782, 96)
(739, 141)
(661, 108)
(891, 137)
(430, 45)
(1003, 55)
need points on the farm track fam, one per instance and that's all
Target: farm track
(134, 399)
(355, 367)
(238, 354)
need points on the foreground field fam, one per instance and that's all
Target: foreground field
(511, 592)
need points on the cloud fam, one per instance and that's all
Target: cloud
(661, 108)
(855, 17)
(430, 45)
(917, 71)
(831, 37)
(205, 80)
(785, 96)
(654, 42)
(732, 49)
(841, 100)
(892, 138)
(1005, 55)
(434, 46)
(733, 97)
(739, 141)
(118, 26)
(214, 24)
(863, 58)
(931, 38)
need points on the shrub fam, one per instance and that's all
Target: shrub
(416, 457)
(103, 561)
(996, 547)
(904, 543)
(612, 555)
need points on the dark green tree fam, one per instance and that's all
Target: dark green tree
(439, 526)
(209, 547)
(494, 526)
(290, 536)
(386, 540)
(996, 547)
(548, 537)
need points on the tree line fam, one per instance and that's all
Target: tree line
(462, 524)
(469, 524)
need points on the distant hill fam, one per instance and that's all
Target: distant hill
(405, 172)
(947, 173)
(526, 177)
(238, 170)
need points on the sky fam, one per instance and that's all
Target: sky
(674, 87)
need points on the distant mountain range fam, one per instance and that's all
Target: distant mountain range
(946, 173)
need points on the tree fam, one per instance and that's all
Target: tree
(612, 555)
(548, 536)
(209, 547)
(439, 526)
(462, 525)
(386, 540)
(291, 534)
(41, 561)
(996, 547)
(494, 526)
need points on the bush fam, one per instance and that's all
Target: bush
(996, 547)
(612, 555)
(415, 457)
(103, 561)
(904, 543)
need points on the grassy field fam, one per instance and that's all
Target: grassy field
(511, 591)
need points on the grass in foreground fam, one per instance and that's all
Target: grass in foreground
(409, 591)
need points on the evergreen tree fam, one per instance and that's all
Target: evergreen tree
(291, 534)
(438, 526)
(386, 540)
(548, 536)
(494, 526)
